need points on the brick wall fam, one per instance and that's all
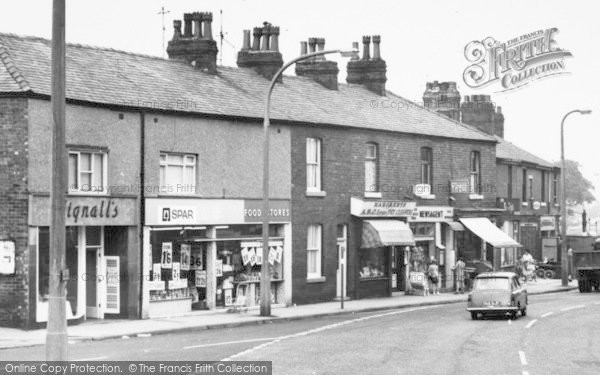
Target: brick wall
(343, 152)
(14, 289)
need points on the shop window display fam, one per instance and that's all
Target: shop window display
(373, 262)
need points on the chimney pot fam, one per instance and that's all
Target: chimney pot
(187, 28)
(207, 21)
(376, 52)
(257, 32)
(196, 19)
(354, 47)
(177, 29)
(366, 47)
(264, 44)
(246, 41)
(320, 47)
(303, 48)
(274, 43)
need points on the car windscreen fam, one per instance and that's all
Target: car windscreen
(486, 283)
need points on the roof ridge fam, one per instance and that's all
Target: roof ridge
(82, 45)
(12, 69)
(501, 139)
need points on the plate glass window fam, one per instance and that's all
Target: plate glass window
(177, 174)
(371, 168)
(313, 164)
(87, 172)
(313, 262)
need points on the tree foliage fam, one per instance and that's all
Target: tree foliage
(578, 188)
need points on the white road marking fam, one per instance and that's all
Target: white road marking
(572, 307)
(597, 303)
(509, 321)
(144, 334)
(324, 328)
(547, 314)
(522, 357)
(531, 323)
(525, 372)
(228, 343)
(90, 359)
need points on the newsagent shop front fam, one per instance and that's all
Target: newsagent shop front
(385, 241)
(102, 250)
(207, 254)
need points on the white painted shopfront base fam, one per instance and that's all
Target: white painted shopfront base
(169, 308)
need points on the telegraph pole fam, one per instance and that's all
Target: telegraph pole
(56, 333)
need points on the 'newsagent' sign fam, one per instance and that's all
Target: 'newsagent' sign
(514, 63)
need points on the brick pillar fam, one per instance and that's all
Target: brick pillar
(211, 278)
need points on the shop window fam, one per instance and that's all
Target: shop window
(87, 172)
(426, 166)
(475, 172)
(371, 168)
(313, 251)
(177, 174)
(373, 262)
(423, 229)
(313, 164)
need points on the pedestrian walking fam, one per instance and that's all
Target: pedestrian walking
(459, 269)
(434, 276)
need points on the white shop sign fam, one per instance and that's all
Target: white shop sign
(7, 257)
(432, 214)
(361, 208)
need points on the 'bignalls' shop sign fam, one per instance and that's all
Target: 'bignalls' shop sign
(87, 211)
(515, 63)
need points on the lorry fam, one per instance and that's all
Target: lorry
(586, 261)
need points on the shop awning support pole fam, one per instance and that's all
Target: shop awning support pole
(265, 275)
(56, 333)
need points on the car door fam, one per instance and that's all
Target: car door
(520, 292)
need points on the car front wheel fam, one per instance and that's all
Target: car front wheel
(473, 315)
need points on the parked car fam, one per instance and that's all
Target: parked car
(497, 293)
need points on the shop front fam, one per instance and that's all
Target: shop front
(207, 254)
(434, 240)
(485, 242)
(382, 256)
(101, 256)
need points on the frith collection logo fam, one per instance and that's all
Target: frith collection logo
(515, 63)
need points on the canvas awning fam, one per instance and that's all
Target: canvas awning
(488, 232)
(378, 233)
(455, 226)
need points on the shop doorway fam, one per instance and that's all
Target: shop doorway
(398, 269)
(93, 307)
(342, 270)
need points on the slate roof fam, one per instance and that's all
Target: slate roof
(508, 151)
(107, 76)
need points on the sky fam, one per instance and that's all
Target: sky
(422, 41)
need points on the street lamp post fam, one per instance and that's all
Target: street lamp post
(563, 200)
(265, 277)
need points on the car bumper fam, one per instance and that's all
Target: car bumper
(493, 308)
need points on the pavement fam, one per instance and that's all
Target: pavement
(93, 330)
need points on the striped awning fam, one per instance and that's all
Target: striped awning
(487, 231)
(379, 233)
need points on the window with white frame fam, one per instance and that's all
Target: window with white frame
(313, 251)
(313, 164)
(426, 166)
(475, 172)
(177, 173)
(371, 168)
(87, 172)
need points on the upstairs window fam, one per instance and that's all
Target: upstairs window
(313, 164)
(371, 176)
(475, 173)
(87, 172)
(426, 166)
(177, 173)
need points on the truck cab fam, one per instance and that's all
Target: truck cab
(586, 262)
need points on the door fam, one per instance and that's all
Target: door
(342, 270)
(93, 284)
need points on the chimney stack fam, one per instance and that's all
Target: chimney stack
(479, 111)
(264, 56)
(318, 68)
(442, 97)
(370, 72)
(195, 46)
